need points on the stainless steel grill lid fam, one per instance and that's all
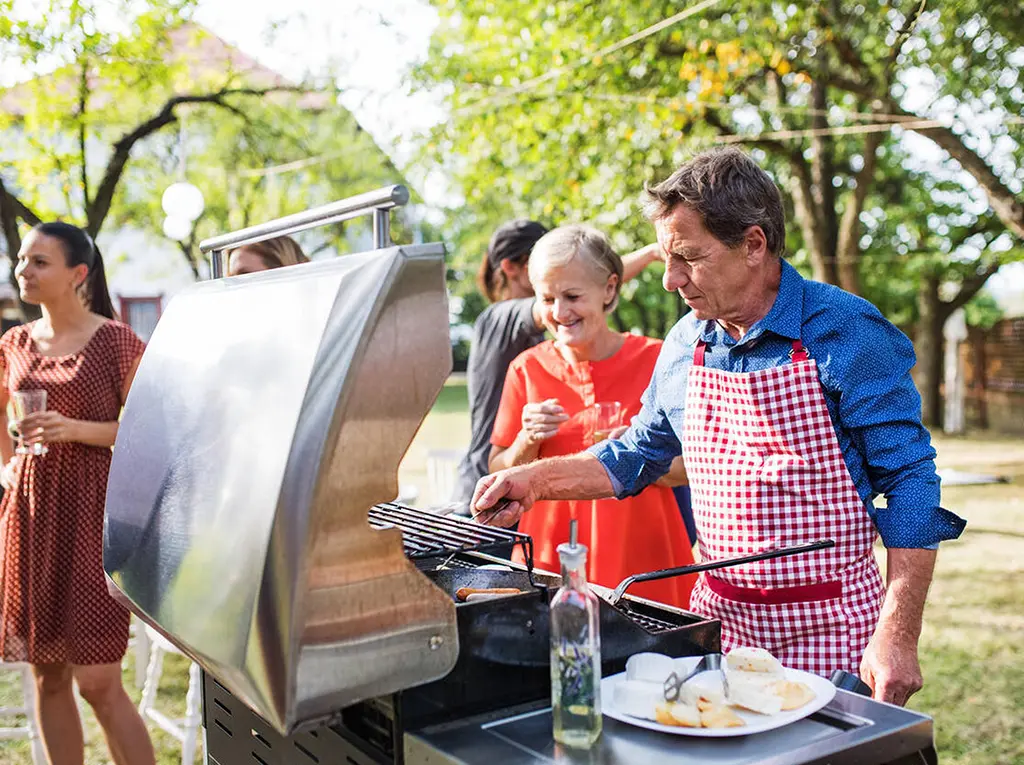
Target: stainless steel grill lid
(269, 413)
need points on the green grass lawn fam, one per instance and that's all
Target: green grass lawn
(974, 625)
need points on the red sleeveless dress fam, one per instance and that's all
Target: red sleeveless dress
(54, 605)
(624, 536)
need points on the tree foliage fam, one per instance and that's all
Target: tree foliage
(895, 128)
(116, 106)
(534, 133)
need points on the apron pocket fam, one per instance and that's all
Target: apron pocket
(805, 628)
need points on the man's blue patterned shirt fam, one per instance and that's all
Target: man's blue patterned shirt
(864, 366)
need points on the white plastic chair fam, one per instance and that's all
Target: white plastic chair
(28, 711)
(185, 729)
(442, 473)
(28, 695)
(139, 642)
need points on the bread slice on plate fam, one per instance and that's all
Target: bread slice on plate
(755, 697)
(677, 715)
(748, 659)
(793, 693)
(720, 716)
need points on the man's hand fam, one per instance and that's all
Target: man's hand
(890, 664)
(511, 486)
(891, 668)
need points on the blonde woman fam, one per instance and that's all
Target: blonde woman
(546, 410)
(263, 256)
(506, 328)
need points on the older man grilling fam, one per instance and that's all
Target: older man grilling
(793, 407)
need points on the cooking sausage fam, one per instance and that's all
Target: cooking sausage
(463, 593)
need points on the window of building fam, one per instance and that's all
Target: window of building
(141, 314)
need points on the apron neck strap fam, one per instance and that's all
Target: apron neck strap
(796, 353)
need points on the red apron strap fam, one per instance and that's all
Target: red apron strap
(698, 353)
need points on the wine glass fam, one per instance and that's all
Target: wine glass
(28, 402)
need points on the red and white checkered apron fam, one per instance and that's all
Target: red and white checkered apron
(766, 471)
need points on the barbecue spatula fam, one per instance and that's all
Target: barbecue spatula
(667, 573)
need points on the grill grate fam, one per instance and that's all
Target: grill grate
(429, 535)
(649, 623)
(642, 616)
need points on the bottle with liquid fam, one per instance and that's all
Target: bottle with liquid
(575, 652)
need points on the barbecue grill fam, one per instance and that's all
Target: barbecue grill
(248, 521)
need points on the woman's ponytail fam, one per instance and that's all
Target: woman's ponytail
(96, 291)
(488, 280)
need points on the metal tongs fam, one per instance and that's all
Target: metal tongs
(485, 517)
(673, 685)
(666, 573)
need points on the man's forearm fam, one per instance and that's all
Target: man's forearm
(908, 576)
(581, 476)
(890, 664)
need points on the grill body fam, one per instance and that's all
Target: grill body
(250, 450)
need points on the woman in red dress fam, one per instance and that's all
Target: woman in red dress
(547, 409)
(55, 612)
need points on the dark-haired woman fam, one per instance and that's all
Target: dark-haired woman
(55, 612)
(506, 328)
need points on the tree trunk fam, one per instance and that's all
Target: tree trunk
(928, 342)
(823, 263)
(823, 168)
(848, 247)
(12, 240)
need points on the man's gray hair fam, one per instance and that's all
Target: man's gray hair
(729, 191)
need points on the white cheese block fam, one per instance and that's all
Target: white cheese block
(649, 667)
(761, 680)
(637, 698)
(693, 693)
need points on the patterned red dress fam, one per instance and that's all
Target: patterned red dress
(54, 606)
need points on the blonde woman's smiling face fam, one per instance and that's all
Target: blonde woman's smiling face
(572, 299)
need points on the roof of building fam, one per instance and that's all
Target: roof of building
(205, 56)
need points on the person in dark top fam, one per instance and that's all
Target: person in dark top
(506, 328)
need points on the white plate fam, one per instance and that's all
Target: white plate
(823, 690)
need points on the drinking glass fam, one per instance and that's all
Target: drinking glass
(607, 416)
(28, 402)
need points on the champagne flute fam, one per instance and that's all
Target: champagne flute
(28, 402)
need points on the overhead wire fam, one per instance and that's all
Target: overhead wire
(587, 59)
